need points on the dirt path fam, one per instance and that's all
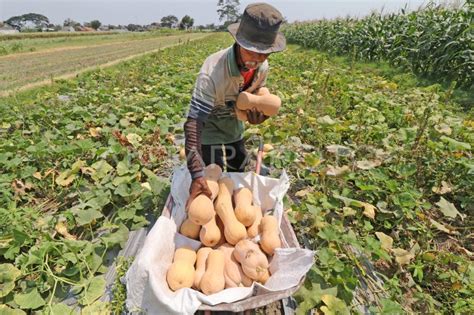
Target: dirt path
(25, 71)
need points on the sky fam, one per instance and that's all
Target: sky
(203, 11)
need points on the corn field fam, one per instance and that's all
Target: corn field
(435, 42)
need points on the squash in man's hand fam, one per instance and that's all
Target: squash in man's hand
(268, 104)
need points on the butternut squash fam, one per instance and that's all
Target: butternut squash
(202, 254)
(233, 273)
(262, 91)
(252, 230)
(213, 279)
(189, 229)
(181, 272)
(212, 173)
(201, 210)
(220, 225)
(234, 231)
(269, 238)
(268, 104)
(244, 211)
(253, 260)
(242, 114)
(210, 233)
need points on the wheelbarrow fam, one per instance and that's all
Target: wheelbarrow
(259, 298)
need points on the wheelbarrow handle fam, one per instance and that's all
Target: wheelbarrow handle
(259, 157)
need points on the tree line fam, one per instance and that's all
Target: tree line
(227, 10)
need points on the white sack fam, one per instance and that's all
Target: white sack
(147, 289)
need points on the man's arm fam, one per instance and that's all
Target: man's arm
(202, 102)
(192, 133)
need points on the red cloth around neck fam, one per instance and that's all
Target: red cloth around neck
(248, 76)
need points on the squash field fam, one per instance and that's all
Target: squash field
(381, 171)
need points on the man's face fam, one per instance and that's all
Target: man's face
(252, 60)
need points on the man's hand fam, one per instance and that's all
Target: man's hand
(255, 117)
(198, 186)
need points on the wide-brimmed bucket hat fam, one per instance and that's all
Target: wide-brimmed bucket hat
(258, 29)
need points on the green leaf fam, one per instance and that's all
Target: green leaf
(157, 183)
(334, 306)
(134, 139)
(119, 236)
(5, 310)
(123, 190)
(326, 121)
(60, 309)
(390, 307)
(102, 168)
(86, 216)
(448, 209)
(441, 227)
(93, 291)
(122, 168)
(30, 300)
(8, 275)
(385, 240)
(310, 298)
(456, 145)
(122, 180)
(66, 177)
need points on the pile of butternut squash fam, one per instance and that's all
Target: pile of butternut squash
(225, 224)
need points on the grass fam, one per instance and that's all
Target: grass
(20, 70)
(22, 43)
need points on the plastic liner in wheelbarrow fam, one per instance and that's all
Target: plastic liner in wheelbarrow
(147, 289)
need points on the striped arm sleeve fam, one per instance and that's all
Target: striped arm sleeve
(192, 133)
(203, 98)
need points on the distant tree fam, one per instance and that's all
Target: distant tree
(169, 21)
(18, 22)
(135, 28)
(186, 22)
(70, 22)
(95, 24)
(228, 10)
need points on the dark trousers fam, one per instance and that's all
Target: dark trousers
(235, 155)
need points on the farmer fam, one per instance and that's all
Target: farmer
(213, 133)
